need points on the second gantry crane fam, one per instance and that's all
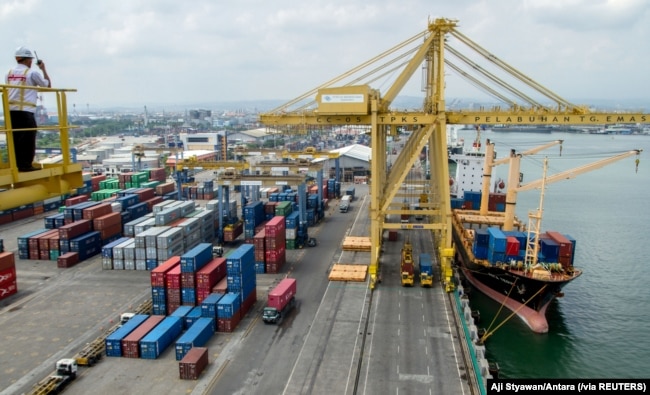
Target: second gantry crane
(349, 99)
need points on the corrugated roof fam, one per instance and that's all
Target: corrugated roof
(355, 151)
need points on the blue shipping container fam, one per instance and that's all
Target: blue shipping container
(191, 317)
(229, 305)
(196, 258)
(113, 341)
(156, 341)
(196, 336)
(209, 305)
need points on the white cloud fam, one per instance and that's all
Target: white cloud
(163, 51)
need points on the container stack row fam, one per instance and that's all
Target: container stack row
(275, 244)
(496, 245)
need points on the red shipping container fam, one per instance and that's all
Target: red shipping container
(210, 274)
(97, 211)
(201, 294)
(68, 259)
(277, 255)
(7, 289)
(131, 343)
(260, 255)
(221, 287)
(193, 363)
(188, 280)
(173, 278)
(112, 230)
(145, 194)
(6, 217)
(512, 246)
(44, 255)
(75, 200)
(228, 324)
(159, 274)
(566, 247)
(162, 189)
(107, 220)
(44, 239)
(258, 239)
(173, 296)
(269, 208)
(248, 303)
(272, 267)
(275, 243)
(153, 201)
(34, 254)
(54, 242)
(172, 307)
(7, 260)
(282, 293)
(275, 226)
(74, 229)
(7, 275)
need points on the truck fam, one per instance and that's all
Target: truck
(406, 265)
(350, 192)
(344, 206)
(66, 372)
(281, 300)
(425, 266)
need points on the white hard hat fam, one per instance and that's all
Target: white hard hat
(24, 52)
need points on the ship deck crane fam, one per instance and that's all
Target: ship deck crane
(350, 100)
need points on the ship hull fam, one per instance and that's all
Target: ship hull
(527, 297)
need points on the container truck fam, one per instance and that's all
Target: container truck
(426, 270)
(281, 301)
(350, 192)
(66, 372)
(406, 265)
(345, 203)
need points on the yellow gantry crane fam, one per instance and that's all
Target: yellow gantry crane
(350, 100)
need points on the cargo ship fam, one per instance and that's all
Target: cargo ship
(522, 270)
(515, 264)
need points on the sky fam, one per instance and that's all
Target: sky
(164, 52)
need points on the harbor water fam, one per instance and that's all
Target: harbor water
(599, 329)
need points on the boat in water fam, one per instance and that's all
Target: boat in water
(513, 263)
(530, 128)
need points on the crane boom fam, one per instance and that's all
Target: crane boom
(531, 151)
(513, 177)
(571, 173)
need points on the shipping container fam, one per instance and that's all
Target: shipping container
(210, 274)
(196, 336)
(113, 341)
(131, 343)
(154, 343)
(193, 363)
(196, 258)
(228, 306)
(209, 305)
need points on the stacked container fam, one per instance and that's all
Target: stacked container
(241, 277)
(131, 343)
(275, 244)
(253, 216)
(196, 336)
(260, 252)
(159, 286)
(228, 312)
(208, 276)
(192, 261)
